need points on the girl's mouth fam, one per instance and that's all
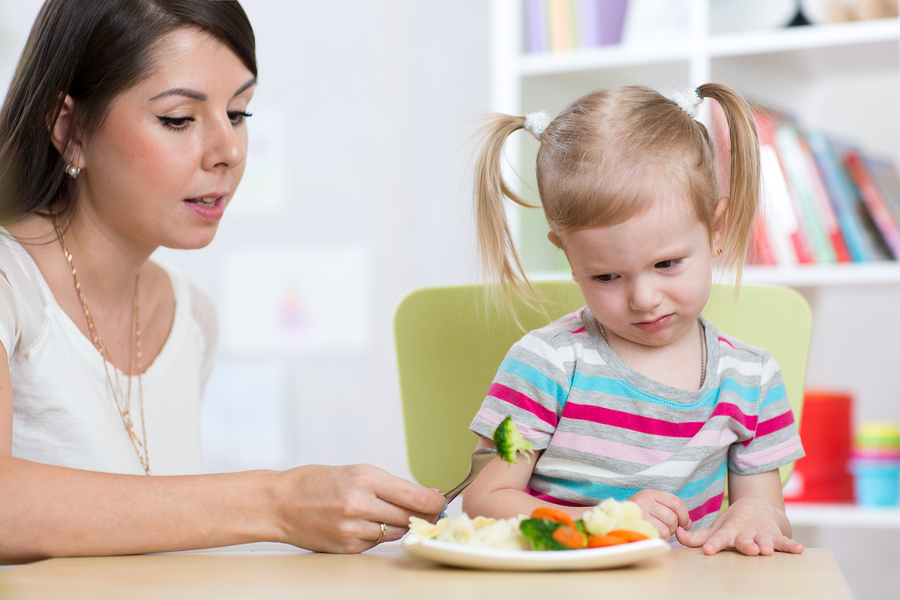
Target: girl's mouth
(654, 325)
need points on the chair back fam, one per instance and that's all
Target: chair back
(450, 345)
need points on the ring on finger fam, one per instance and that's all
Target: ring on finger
(383, 532)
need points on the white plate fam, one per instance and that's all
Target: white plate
(456, 555)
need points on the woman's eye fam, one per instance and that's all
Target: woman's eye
(667, 264)
(237, 117)
(176, 123)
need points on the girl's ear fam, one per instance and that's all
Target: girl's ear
(59, 132)
(718, 233)
(554, 239)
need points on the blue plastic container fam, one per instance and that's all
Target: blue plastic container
(876, 483)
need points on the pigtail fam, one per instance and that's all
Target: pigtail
(744, 173)
(499, 258)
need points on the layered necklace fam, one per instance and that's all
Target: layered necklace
(122, 398)
(703, 351)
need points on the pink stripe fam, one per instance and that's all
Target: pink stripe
(725, 341)
(607, 448)
(549, 498)
(501, 392)
(720, 438)
(774, 453)
(712, 505)
(492, 419)
(651, 426)
(785, 419)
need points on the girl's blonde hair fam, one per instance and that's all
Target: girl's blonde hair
(605, 159)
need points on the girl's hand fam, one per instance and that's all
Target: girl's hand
(750, 525)
(341, 509)
(664, 511)
(754, 523)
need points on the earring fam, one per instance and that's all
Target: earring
(72, 171)
(718, 250)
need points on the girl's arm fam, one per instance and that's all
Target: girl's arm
(499, 491)
(54, 511)
(754, 522)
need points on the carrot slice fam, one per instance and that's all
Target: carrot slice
(556, 515)
(569, 537)
(619, 536)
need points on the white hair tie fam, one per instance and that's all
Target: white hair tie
(689, 102)
(536, 123)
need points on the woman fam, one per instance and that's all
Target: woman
(124, 130)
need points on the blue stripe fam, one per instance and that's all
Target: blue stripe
(776, 394)
(600, 491)
(535, 378)
(620, 388)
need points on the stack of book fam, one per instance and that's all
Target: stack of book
(823, 201)
(563, 25)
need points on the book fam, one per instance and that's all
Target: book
(787, 143)
(534, 17)
(843, 196)
(874, 201)
(783, 216)
(886, 176)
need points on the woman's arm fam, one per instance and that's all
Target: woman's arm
(499, 491)
(55, 511)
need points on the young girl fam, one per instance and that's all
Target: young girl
(636, 396)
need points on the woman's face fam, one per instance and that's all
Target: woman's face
(165, 163)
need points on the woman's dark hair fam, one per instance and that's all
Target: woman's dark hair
(92, 50)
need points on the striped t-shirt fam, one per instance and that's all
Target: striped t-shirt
(608, 432)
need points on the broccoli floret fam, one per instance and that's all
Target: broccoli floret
(509, 441)
(539, 533)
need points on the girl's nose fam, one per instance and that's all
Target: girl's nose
(644, 295)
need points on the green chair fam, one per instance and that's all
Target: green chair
(449, 346)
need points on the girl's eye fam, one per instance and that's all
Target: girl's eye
(667, 264)
(605, 278)
(237, 117)
(176, 123)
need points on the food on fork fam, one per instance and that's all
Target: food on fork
(509, 441)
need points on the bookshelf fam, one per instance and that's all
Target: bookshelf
(821, 74)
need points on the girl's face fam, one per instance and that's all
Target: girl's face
(167, 160)
(645, 280)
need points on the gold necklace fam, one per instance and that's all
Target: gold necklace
(123, 400)
(702, 349)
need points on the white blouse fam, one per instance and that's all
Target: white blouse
(64, 411)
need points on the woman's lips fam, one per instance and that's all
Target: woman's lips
(208, 208)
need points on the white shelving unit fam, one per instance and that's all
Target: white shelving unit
(823, 75)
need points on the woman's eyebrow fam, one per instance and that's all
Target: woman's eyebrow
(200, 96)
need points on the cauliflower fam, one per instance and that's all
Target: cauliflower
(611, 514)
(483, 532)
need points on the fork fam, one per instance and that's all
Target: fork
(480, 458)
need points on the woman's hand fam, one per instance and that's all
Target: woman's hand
(341, 509)
(754, 524)
(664, 511)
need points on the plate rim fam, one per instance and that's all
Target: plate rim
(588, 558)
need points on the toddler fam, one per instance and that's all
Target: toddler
(636, 395)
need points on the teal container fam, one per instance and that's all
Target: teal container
(876, 483)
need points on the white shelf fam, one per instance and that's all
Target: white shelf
(842, 515)
(860, 33)
(845, 274)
